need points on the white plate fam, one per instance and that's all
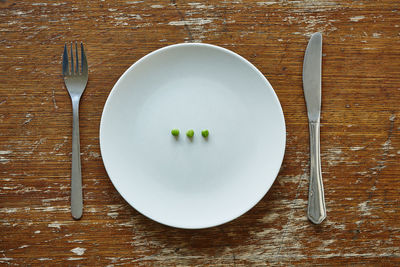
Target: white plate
(194, 183)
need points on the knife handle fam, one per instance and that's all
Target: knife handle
(316, 200)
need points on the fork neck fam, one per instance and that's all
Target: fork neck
(75, 104)
(75, 100)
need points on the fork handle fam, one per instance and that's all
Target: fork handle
(316, 199)
(76, 177)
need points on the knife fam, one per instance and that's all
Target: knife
(312, 93)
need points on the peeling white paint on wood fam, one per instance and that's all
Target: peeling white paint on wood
(78, 251)
(357, 18)
(364, 208)
(8, 210)
(44, 259)
(75, 258)
(190, 21)
(265, 3)
(55, 225)
(357, 148)
(113, 215)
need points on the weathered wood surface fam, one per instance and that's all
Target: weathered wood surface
(360, 140)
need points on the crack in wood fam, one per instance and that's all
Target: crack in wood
(182, 18)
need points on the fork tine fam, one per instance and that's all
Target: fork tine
(72, 61)
(84, 61)
(77, 59)
(65, 70)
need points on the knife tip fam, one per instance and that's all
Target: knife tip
(317, 35)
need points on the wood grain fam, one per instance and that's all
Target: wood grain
(360, 140)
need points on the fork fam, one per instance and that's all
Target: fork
(75, 80)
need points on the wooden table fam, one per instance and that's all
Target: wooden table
(360, 140)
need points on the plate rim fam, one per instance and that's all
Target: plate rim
(225, 50)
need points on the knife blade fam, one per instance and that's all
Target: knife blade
(316, 211)
(312, 76)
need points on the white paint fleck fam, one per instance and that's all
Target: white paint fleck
(48, 209)
(133, 2)
(92, 209)
(24, 246)
(135, 16)
(78, 251)
(75, 241)
(327, 242)
(156, 6)
(143, 25)
(44, 259)
(363, 173)
(113, 215)
(364, 208)
(265, 3)
(8, 210)
(201, 6)
(53, 97)
(270, 217)
(54, 199)
(75, 258)
(387, 145)
(333, 156)
(37, 232)
(357, 18)
(268, 231)
(29, 118)
(94, 154)
(128, 224)
(376, 35)
(356, 148)
(55, 225)
(335, 225)
(115, 207)
(9, 187)
(52, 208)
(18, 13)
(121, 18)
(191, 21)
(4, 160)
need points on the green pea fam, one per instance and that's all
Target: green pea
(190, 133)
(175, 132)
(205, 133)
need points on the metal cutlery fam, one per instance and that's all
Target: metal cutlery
(75, 74)
(312, 93)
